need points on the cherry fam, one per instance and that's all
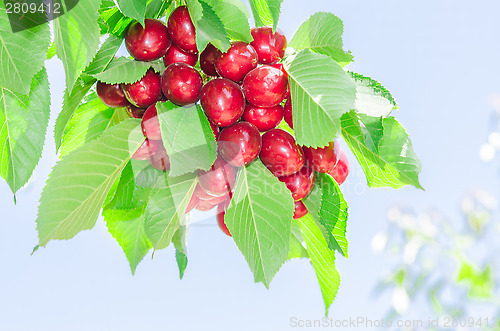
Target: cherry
(219, 180)
(176, 55)
(181, 84)
(222, 101)
(160, 160)
(300, 183)
(288, 112)
(281, 67)
(300, 210)
(264, 118)
(135, 112)
(269, 46)
(111, 94)
(181, 29)
(203, 195)
(240, 143)
(215, 130)
(205, 205)
(147, 43)
(207, 60)
(147, 149)
(341, 169)
(237, 61)
(221, 211)
(144, 92)
(151, 124)
(193, 202)
(280, 154)
(321, 159)
(265, 86)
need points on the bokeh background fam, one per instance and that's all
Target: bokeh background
(440, 60)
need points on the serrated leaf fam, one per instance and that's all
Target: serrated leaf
(234, 16)
(321, 92)
(322, 259)
(135, 9)
(180, 243)
(104, 56)
(372, 98)
(188, 138)
(322, 33)
(393, 163)
(23, 123)
(123, 70)
(22, 54)
(112, 21)
(266, 12)
(259, 217)
(78, 185)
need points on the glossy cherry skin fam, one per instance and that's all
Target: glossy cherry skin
(135, 112)
(300, 210)
(221, 211)
(215, 130)
(181, 84)
(144, 92)
(207, 60)
(240, 143)
(193, 202)
(264, 118)
(270, 47)
(147, 149)
(321, 159)
(176, 55)
(222, 101)
(341, 169)
(219, 180)
(151, 124)
(112, 95)
(280, 154)
(287, 109)
(147, 43)
(265, 86)
(237, 61)
(160, 160)
(181, 29)
(300, 183)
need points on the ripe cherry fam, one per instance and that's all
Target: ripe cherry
(269, 46)
(147, 149)
(219, 180)
(240, 143)
(237, 61)
(321, 159)
(176, 55)
(150, 123)
(300, 210)
(205, 205)
(221, 212)
(181, 84)
(144, 92)
(111, 94)
(280, 154)
(222, 101)
(193, 202)
(288, 112)
(207, 60)
(341, 169)
(300, 183)
(181, 29)
(135, 112)
(215, 130)
(203, 195)
(147, 43)
(265, 86)
(264, 118)
(160, 160)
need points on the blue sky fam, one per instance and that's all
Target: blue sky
(440, 60)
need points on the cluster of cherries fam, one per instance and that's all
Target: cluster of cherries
(242, 93)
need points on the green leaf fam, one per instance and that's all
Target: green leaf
(234, 16)
(157, 8)
(180, 243)
(321, 92)
(76, 35)
(104, 56)
(266, 12)
(51, 52)
(135, 9)
(297, 244)
(481, 283)
(259, 217)
(322, 33)
(123, 70)
(188, 138)
(322, 259)
(23, 123)
(22, 54)
(78, 185)
(372, 98)
(112, 21)
(384, 152)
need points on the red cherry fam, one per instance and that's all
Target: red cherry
(193, 202)
(219, 180)
(135, 112)
(221, 211)
(300, 183)
(281, 67)
(112, 95)
(160, 160)
(240, 143)
(288, 113)
(144, 92)
(147, 149)
(341, 169)
(280, 154)
(264, 118)
(181, 29)
(181, 84)
(151, 124)
(270, 47)
(265, 86)
(321, 159)
(300, 210)
(147, 43)
(215, 130)
(237, 61)
(205, 205)
(207, 60)
(204, 195)
(176, 55)
(222, 101)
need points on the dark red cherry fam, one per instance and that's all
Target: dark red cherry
(181, 29)
(205, 205)
(222, 101)
(288, 113)
(269, 46)
(160, 160)
(193, 202)
(341, 169)
(112, 95)
(321, 159)
(176, 55)
(135, 112)
(221, 211)
(240, 143)
(147, 43)
(219, 180)
(300, 210)
(265, 86)
(144, 92)
(300, 183)
(281, 67)
(181, 84)
(215, 130)
(147, 149)
(264, 118)
(207, 60)
(150, 124)
(280, 154)
(237, 61)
